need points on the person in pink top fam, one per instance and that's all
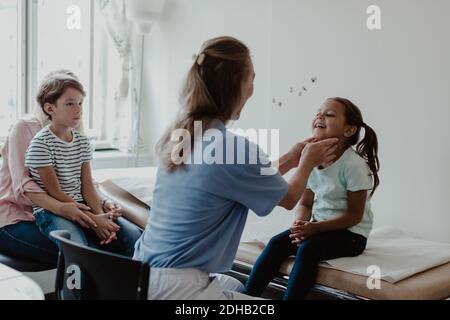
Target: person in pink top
(19, 235)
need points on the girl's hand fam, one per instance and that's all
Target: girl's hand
(294, 231)
(74, 212)
(296, 152)
(317, 153)
(303, 230)
(106, 229)
(296, 223)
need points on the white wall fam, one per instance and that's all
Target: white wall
(399, 76)
(180, 34)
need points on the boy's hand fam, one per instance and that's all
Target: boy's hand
(111, 238)
(106, 229)
(74, 212)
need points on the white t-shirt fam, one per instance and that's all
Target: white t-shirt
(330, 186)
(66, 158)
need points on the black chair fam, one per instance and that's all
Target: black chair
(89, 274)
(25, 265)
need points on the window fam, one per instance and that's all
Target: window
(37, 38)
(59, 46)
(9, 64)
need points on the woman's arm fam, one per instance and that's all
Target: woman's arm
(73, 212)
(287, 162)
(297, 185)
(70, 211)
(51, 184)
(313, 155)
(291, 159)
(18, 141)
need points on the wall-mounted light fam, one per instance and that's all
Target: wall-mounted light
(144, 13)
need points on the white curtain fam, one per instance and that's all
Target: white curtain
(125, 133)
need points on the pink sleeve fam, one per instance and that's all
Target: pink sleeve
(19, 140)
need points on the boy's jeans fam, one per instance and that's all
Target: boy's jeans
(124, 245)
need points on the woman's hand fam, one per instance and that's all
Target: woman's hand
(106, 229)
(317, 153)
(302, 230)
(74, 212)
(109, 205)
(296, 152)
(113, 214)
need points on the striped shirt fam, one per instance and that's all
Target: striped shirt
(66, 158)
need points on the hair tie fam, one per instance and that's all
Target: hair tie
(200, 58)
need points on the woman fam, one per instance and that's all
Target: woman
(19, 235)
(200, 208)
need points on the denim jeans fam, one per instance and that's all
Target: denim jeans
(124, 245)
(25, 240)
(320, 247)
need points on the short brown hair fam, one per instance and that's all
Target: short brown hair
(54, 85)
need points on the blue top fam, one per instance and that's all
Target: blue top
(331, 185)
(199, 212)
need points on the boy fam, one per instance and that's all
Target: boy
(59, 158)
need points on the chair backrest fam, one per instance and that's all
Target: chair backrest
(89, 274)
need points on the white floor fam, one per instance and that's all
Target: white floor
(45, 280)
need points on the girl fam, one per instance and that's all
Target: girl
(337, 199)
(199, 210)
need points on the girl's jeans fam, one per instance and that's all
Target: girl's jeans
(320, 247)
